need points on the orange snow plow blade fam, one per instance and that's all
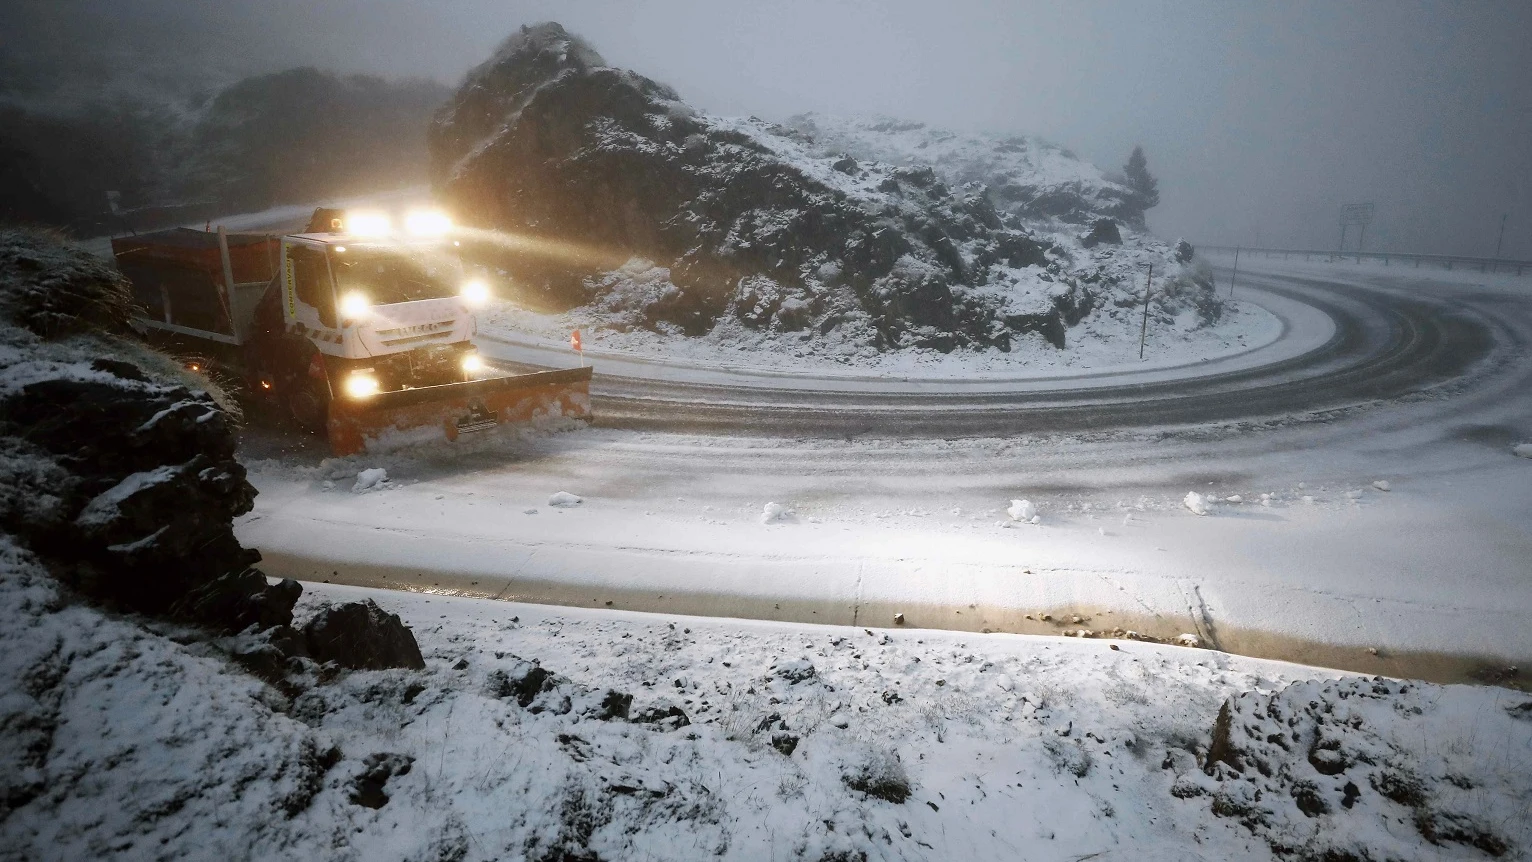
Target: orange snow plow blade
(390, 420)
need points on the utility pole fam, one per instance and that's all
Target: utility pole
(1501, 240)
(1235, 277)
(1144, 335)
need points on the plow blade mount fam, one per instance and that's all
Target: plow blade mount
(390, 420)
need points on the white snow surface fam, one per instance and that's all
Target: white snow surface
(122, 741)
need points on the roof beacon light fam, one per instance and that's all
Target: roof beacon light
(427, 223)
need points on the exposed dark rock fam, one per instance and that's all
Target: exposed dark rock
(362, 636)
(236, 601)
(1184, 251)
(1102, 231)
(787, 743)
(524, 681)
(368, 789)
(670, 717)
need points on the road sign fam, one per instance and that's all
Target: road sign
(1356, 214)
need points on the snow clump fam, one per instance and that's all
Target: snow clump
(370, 480)
(1522, 450)
(1196, 502)
(564, 500)
(1022, 510)
(1383, 485)
(775, 513)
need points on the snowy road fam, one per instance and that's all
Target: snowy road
(1421, 383)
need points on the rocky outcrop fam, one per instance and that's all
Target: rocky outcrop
(123, 480)
(579, 167)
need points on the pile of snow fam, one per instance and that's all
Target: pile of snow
(564, 500)
(1197, 503)
(1383, 485)
(370, 479)
(1522, 450)
(775, 513)
(1024, 511)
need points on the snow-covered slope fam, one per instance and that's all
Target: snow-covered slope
(1027, 176)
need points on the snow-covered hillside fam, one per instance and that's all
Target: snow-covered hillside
(602, 192)
(1036, 180)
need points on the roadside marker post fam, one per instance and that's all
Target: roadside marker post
(574, 342)
(1144, 335)
(1235, 277)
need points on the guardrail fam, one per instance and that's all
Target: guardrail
(1445, 261)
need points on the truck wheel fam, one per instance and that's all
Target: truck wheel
(309, 407)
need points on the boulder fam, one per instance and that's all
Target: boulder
(1102, 231)
(362, 636)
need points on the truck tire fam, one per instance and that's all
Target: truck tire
(308, 397)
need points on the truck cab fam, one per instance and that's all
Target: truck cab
(383, 314)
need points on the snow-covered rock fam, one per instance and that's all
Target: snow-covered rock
(1197, 503)
(1522, 450)
(564, 500)
(1383, 485)
(1021, 510)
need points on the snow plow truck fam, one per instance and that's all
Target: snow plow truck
(359, 331)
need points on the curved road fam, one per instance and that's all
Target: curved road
(1384, 345)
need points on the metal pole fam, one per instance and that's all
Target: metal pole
(1342, 237)
(1361, 239)
(1501, 240)
(1235, 277)
(1144, 335)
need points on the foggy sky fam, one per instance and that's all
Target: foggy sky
(1260, 119)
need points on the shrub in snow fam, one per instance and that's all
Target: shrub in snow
(1197, 503)
(369, 480)
(795, 671)
(564, 500)
(877, 772)
(1022, 510)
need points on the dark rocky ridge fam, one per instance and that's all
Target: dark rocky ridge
(545, 141)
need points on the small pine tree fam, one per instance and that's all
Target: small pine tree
(1146, 189)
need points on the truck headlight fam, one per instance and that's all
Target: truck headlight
(361, 384)
(472, 364)
(355, 305)
(475, 293)
(427, 223)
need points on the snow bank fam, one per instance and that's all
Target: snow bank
(370, 479)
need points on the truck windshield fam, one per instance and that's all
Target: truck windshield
(390, 275)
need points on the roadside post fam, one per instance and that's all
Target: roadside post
(1235, 277)
(574, 343)
(1143, 336)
